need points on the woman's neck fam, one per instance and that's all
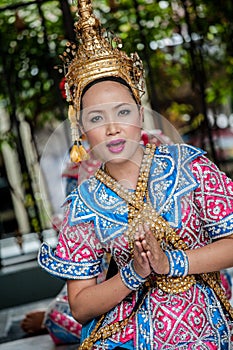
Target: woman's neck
(126, 172)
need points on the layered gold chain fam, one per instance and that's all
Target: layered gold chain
(135, 200)
(140, 211)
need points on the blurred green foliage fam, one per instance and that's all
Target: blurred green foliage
(166, 34)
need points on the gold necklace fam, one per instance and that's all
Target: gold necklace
(135, 200)
(141, 211)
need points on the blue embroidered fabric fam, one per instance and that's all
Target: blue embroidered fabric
(220, 229)
(94, 201)
(66, 269)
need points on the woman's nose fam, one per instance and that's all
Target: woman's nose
(113, 128)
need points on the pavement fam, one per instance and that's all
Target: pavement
(41, 342)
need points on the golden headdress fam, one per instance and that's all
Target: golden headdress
(96, 56)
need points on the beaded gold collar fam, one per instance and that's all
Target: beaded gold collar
(135, 198)
(141, 211)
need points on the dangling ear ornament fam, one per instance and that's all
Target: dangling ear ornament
(83, 153)
(74, 153)
(78, 152)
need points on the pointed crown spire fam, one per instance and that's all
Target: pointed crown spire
(96, 56)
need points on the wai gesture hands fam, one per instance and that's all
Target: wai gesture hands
(148, 255)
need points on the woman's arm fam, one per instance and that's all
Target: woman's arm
(213, 257)
(88, 299)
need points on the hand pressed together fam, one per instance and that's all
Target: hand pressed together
(148, 254)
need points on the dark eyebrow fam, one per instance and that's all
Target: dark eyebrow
(123, 104)
(115, 107)
(94, 111)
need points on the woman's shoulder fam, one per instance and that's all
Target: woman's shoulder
(76, 198)
(179, 147)
(180, 152)
(88, 184)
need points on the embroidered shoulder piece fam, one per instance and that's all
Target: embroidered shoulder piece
(92, 201)
(171, 179)
(66, 269)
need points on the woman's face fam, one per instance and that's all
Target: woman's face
(111, 121)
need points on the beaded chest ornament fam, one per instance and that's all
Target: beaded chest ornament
(140, 211)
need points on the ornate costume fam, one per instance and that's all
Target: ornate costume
(183, 197)
(190, 193)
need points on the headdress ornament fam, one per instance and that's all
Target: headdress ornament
(96, 56)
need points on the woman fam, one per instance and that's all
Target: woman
(112, 123)
(165, 214)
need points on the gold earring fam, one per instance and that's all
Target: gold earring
(78, 152)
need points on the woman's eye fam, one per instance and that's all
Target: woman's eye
(124, 112)
(96, 118)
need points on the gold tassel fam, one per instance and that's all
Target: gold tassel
(83, 153)
(74, 153)
(78, 153)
